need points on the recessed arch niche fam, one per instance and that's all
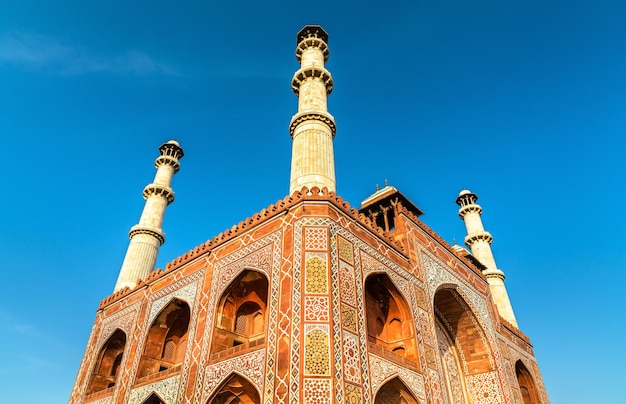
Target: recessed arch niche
(108, 364)
(241, 312)
(235, 390)
(464, 348)
(166, 341)
(394, 392)
(389, 321)
(527, 385)
(153, 399)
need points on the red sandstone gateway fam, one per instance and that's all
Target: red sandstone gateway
(309, 300)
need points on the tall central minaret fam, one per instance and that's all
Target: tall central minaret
(147, 236)
(479, 241)
(312, 128)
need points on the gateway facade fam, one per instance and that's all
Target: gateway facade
(310, 300)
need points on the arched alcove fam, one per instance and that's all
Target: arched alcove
(389, 321)
(166, 342)
(394, 392)
(527, 386)
(235, 390)
(153, 399)
(464, 331)
(108, 363)
(241, 312)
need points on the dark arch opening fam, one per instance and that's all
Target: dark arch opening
(394, 392)
(389, 320)
(241, 313)
(464, 331)
(527, 386)
(153, 399)
(166, 341)
(236, 390)
(107, 367)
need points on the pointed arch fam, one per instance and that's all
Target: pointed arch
(464, 331)
(153, 399)
(394, 392)
(242, 312)
(390, 322)
(235, 389)
(166, 340)
(527, 385)
(108, 363)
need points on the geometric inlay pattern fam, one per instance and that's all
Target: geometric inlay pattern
(438, 274)
(420, 297)
(316, 308)
(353, 394)
(348, 318)
(123, 320)
(316, 351)
(351, 365)
(451, 365)
(230, 266)
(435, 386)
(316, 238)
(431, 358)
(381, 370)
(317, 391)
(371, 264)
(166, 389)
(316, 276)
(346, 279)
(424, 328)
(346, 253)
(483, 388)
(250, 365)
(187, 294)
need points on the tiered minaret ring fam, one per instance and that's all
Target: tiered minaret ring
(479, 241)
(312, 128)
(147, 236)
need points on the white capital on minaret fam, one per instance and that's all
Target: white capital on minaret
(479, 241)
(312, 128)
(147, 236)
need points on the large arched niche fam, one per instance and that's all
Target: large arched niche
(389, 320)
(394, 392)
(108, 363)
(241, 312)
(236, 389)
(527, 385)
(166, 342)
(463, 330)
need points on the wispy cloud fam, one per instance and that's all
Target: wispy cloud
(43, 53)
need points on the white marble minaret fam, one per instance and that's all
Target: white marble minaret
(147, 236)
(479, 241)
(312, 128)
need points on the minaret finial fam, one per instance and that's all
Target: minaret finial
(479, 241)
(147, 236)
(312, 128)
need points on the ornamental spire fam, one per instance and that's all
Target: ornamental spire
(312, 128)
(147, 236)
(479, 241)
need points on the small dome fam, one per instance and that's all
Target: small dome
(175, 143)
(464, 192)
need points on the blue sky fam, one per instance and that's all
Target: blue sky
(521, 102)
